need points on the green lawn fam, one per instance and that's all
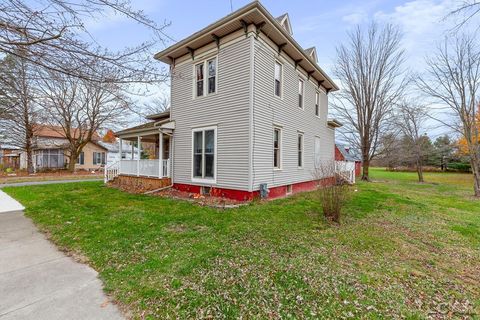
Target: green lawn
(403, 250)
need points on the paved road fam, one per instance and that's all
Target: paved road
(34, 183)
(39, 282)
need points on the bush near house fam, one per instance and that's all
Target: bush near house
(403, 250)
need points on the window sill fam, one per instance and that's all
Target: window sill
(205, 96)
(277, 169)
(204, 181)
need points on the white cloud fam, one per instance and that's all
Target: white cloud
(423, 25)
(355, 18)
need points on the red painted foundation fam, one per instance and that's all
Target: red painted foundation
(241, 195)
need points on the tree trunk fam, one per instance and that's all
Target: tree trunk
(72, 160)
(30, 168)
(365, 165)
(475, 163)
(420, 171)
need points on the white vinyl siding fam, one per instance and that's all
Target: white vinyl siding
(228, 110)
(270, 112)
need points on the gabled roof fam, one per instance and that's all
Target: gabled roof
(284, 21)
(348, 153)
(312, 52)
(252, 14)
(159, 116)
(48, 131)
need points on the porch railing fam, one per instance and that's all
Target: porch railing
(145, 168)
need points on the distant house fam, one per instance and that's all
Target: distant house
(345, 153)
(248, 114)
(113, 152)
(50, 151)
(9, 156)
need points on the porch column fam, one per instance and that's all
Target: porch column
(160, 154)
(133, 150)
(120, 143)
(138, 159)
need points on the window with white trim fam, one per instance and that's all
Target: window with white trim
(206, 77)
(300, 149)
(277, 145)
(99, 158)
(317, 103)
(278, 79)
(212, 75)
(199, 79)
(204, 153)
(301, 85)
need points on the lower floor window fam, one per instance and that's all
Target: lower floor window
(204, 152)
(300, 149)
(98, 158)
(81, 158)
(50, 158)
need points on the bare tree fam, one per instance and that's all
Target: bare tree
(466, 11)
(452, 79)
(21, 112)
(52, 34)
(369, 67)
(79, 108)
(410, 120)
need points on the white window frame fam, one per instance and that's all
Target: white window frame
(301, 134)
(300, 79)
(215, 156)
(317, 103)
(280, 147)
(204, 62)
(281, 80)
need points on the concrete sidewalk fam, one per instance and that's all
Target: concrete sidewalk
(8, 204)
(39, 282)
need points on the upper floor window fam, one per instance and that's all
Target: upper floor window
(277, 144)
(301, 85)
(199, 78)
(317, 104)
(212, 75)
(209, 85)
(278, 79)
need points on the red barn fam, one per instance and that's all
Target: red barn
(345, 153)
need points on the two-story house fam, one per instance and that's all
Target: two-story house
(249, 112)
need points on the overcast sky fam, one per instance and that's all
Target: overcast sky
(319, 23)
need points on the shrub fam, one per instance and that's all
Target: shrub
(333, 190)
(459, 166)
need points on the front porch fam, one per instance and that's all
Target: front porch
(151, 148)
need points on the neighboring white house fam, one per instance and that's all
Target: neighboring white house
(113, 152)
(249, 111)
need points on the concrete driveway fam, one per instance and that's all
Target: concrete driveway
(39, 282)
